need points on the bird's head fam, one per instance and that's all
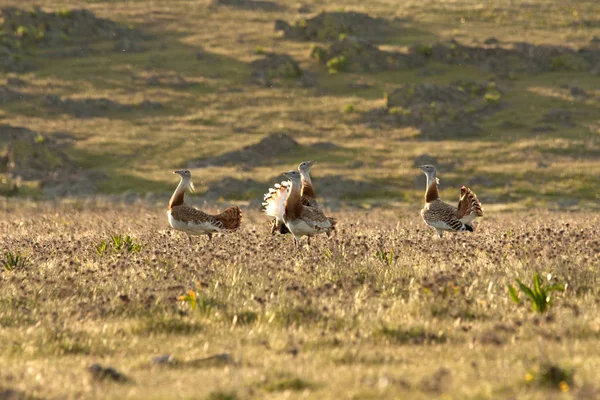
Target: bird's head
(430, 171)
(186, 178)
(305, 167)
(293, 175)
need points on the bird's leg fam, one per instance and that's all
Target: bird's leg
(209, 234)
(308, 240)
(189, 238)
(297, 243)
(439, 232)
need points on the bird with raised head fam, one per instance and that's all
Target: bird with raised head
(192, 221)
(303, 220)
(443, 216)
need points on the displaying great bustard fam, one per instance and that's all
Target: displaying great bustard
(303, 220)
(274, 199)
(443, 216)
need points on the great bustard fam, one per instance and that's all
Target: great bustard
(274, 199)
(195, 222)
(303, 220)
(443, 216)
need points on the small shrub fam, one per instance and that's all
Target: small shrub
(64, 13)
(259, 50)
(348, 109)
(337, 64)
(317, 53)
(425, 49)
(492, 97)
(539, 294)
(22, 31)
(13, 261)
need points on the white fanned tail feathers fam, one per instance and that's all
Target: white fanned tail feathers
(274, 200)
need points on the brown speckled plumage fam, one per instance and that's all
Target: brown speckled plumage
(443, 216)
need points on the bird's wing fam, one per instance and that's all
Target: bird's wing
(274, 200)
(191, 215)
(315, 217)
(310, 202)
(442, 216)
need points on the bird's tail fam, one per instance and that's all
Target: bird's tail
(468, 205)
(231, 218)
(274, 199)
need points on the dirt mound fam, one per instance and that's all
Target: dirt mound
(439, 111)
(28, 156)
(253, 155)
(520, 58)
(89, 108)
(331, 25)
(273, 68)
(353, 54)
(64, 26)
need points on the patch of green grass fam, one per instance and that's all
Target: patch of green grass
(539, 293)
(13, 261)
(119, 243)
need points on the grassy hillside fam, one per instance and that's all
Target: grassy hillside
(183, 87)
(163, 84)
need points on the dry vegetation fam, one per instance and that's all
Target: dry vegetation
(382, 310)
(99, 299)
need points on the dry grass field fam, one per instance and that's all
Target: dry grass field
(382, 310)
(100, 100)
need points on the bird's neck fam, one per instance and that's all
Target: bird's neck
(178, 194)
(307, 187)
(293, 203)
(431, 193)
